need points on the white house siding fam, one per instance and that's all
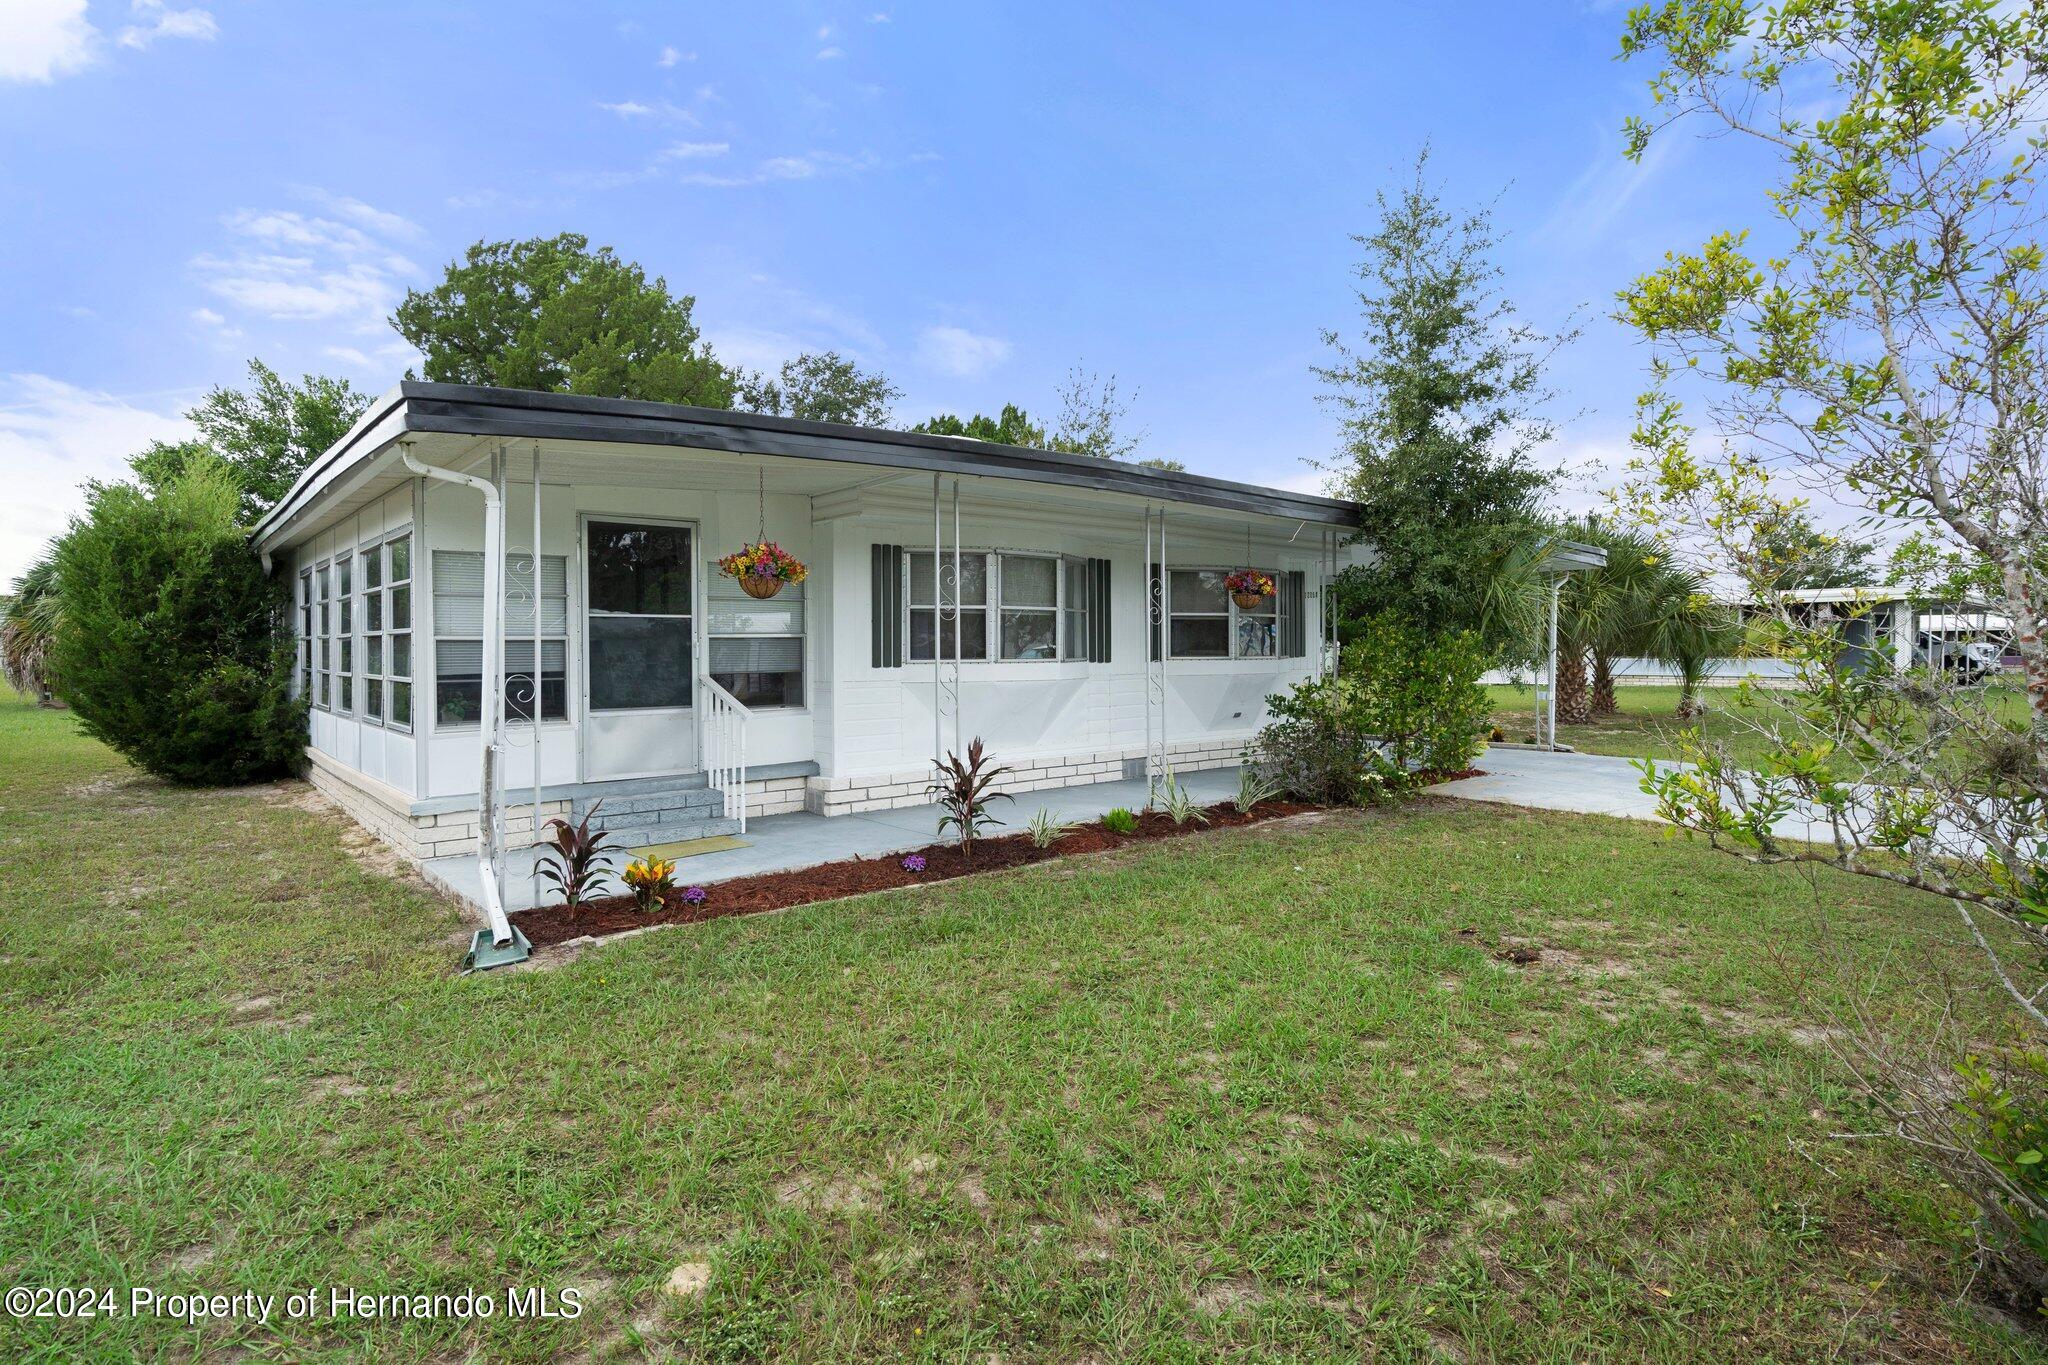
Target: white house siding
(869, 730)
(383, 753)
(455, 522)
(1058, 723)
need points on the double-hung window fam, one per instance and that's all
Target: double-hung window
(306, 633)
(757, 644)
(373, 633)
(459, 637)
(1029, 586)
(397, 629)
(1204, 622)
(972, 598)
(324, 576)
(345, 634)
(1011, 606)
(1077, 584)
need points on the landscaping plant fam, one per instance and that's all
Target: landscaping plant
(1888, 342)
(650, 880)
(171, 642)
(1404, 702)
(1047, 829)
(575, 858)
(1178, 805)
(1253, 787)
(1120, 821)
(963, 790)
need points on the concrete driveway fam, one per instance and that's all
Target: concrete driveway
(1591, 784)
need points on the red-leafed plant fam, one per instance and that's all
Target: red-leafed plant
(575, 857)
(964, 790)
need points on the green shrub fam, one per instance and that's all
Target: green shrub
(1418, 691)
(1314, 748)
(1403, 702)
(1120, 821)
(173, 645)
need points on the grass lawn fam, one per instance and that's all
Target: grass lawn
(1254, 1093)
(1647, 726)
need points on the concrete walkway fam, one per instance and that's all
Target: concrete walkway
(781, 843)
(1591, 784)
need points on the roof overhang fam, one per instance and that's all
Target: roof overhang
(1572, 556)
(464, 410)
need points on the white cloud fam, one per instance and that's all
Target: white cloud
(829, 54)
(670, 56)
(878, 17)
(41, 40)
(627, 109)
(959, 352)
(1602, 190)
(776, 169)
(216, 326)
(686, 151)
(363, 215)
(283, 264)
(53, 437)
(824, 32)
(157, 20)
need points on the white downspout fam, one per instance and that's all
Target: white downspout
(493, 684)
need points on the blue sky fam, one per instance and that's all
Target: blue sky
(973, 198)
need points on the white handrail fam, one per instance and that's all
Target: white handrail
(725, 746)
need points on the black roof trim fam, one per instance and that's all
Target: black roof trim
(471, 410)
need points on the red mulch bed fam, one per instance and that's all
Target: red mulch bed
(857, 876)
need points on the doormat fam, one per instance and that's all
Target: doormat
(690, 848)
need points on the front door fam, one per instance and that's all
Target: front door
(639, 648)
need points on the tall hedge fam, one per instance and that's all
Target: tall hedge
(174, 646)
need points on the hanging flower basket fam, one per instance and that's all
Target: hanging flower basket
(1249, 588)
(762, 568)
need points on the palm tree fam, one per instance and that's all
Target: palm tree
(1601, 614)
(28, 623)
(1687, 630)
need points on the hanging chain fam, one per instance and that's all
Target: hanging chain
(761, 507)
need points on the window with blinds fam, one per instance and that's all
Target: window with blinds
(459, 637)
(756, 646)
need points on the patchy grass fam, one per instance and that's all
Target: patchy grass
(1261, 1093)
(1648, 725)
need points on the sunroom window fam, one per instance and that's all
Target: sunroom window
(757, 644)
(459, 642)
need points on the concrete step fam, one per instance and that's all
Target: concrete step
(635, 809)
(671, 831)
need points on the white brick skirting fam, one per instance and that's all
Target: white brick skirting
(887, 791)
(386, 812)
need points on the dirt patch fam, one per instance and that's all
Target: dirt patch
(857, 876)
(1228, 1296)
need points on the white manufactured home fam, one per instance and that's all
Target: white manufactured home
(955, 589)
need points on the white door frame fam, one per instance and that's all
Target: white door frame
(688, 715)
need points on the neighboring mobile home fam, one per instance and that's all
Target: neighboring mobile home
(688, 704)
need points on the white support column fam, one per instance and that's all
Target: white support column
(495, 591)
(1550, 691)
(959, 699)
(539, 671)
